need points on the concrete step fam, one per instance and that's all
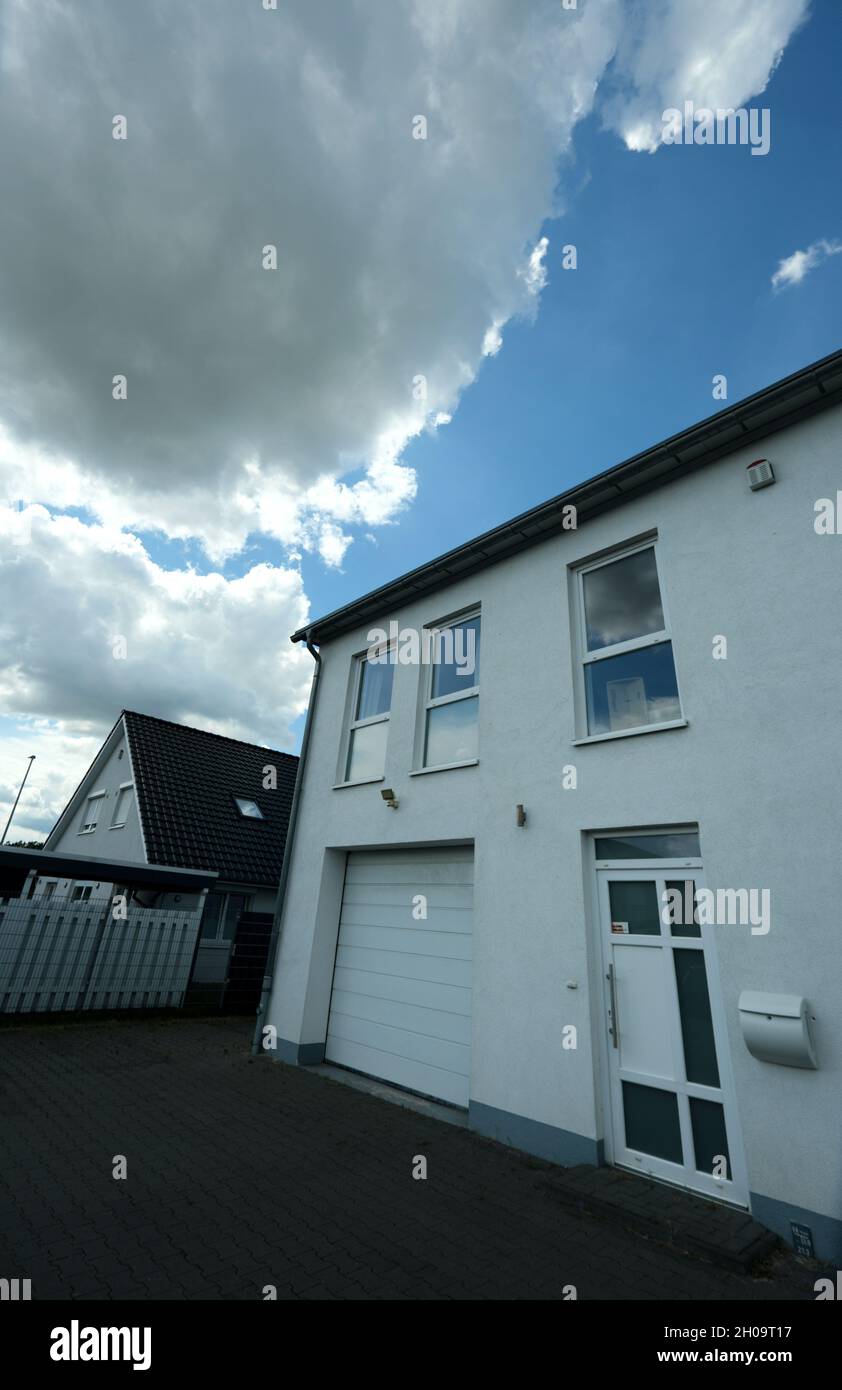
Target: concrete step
(725, 1236)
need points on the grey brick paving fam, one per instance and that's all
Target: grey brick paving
(244, 1172)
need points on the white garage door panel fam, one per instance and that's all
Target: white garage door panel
(395, 1013)
(423, 940)
(401, 1003)
(452, 999)
(451, 904)
(416, 1076)
(400, 1042)
(444, 971)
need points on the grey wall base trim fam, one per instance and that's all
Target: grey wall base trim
(299, 1054)
(533, 1136)
(827, 1230)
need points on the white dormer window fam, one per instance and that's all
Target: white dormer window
(90, 815)
(122, 805)
(249, 809)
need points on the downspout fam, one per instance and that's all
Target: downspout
(274, 940)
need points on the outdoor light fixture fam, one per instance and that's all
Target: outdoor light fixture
(389, 797)
(520, 815)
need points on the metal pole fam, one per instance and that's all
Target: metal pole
(17, 799)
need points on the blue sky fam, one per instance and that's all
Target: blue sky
(676, 253)
(269, 461)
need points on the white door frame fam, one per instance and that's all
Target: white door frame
(735, 1189)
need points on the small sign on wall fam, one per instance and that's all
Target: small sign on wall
(802, 1239)
(619, 928)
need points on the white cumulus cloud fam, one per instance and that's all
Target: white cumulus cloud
(792, 269)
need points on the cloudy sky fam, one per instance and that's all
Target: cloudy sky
(412, 362)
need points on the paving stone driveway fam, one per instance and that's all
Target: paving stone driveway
(244, 1172)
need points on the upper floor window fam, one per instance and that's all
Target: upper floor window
(121, 806)
(451, 712)
(81, 894)
(370, 708)
(628, 666)
(90, 815)
(248, 808)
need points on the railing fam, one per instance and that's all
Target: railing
(57, 954)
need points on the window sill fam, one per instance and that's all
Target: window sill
(362, 782)
(631, 733)
(444, 767)
(121, 826)
(87, 832)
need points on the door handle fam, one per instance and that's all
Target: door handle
(614, 1030)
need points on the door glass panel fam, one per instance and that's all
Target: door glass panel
(696, 1023)
(709, 1138)
(211, 915)
(683, 844)
(651, 1118)
(622, 600)
(636, 904)
(681, 912)
(632, 690)
(236, 905)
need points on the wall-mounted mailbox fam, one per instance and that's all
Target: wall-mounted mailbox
(776, 1028)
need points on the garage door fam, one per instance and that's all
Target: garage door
(401, 1003)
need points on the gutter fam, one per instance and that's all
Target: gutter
(274, 940)
(796, 397)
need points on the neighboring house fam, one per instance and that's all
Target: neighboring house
(163, 793)
(476, 908)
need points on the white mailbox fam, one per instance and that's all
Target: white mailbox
(776, 1028)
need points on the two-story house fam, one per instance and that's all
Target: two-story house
(566, 853)
(161, 793)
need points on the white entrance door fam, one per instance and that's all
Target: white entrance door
(401, 1002)
(671, 1095)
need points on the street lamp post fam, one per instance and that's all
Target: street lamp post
(17, 798)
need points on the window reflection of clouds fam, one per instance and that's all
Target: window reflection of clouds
(622, 600)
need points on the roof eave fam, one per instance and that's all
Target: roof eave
(805, 392)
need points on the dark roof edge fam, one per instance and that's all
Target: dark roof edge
(806, 391)
(207, 733)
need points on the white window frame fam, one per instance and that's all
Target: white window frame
(218, 941)
(429, 701)
(121, 824)
(358, 662)
(651, 639)
(88, 826)
(81, 889)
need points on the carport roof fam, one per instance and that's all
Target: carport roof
(16, 862)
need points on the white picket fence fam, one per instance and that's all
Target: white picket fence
(57, 954)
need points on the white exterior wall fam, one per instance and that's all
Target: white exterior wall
(757, 768)
(105, 842)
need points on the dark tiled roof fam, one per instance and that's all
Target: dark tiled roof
(185, 784)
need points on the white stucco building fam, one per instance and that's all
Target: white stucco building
(655, 703)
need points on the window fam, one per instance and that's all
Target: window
(451, 712)
(49, 888)
(121, 806)
(80, 894)
(249, 809)
(90, 815)
(669, 844)
(219, 919)
(371, 704)
(629, 672)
